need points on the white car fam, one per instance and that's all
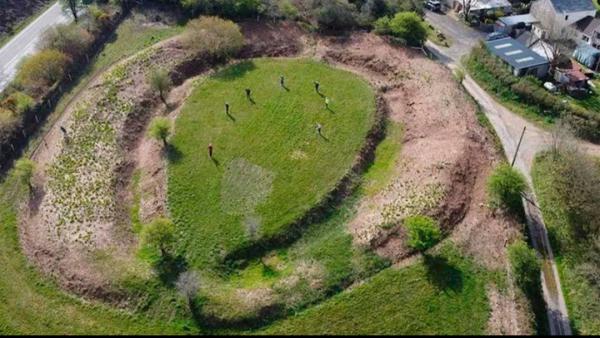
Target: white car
(550, 86)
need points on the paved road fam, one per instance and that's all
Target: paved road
(24, 43)
(509, 126)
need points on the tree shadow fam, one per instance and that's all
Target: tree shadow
(236, 71)
(174, 155)
(442, 274)
(169, 267)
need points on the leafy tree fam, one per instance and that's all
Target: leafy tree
(214, 36)
(336, 15)
(423, 232)
(73, 6)
(409, 27)
(505, 187)
(159, 234)
(9, 123)
(24, 170)
(161, 82)
(160, 129)
(525, 265)
(42, 70)
(382, 26)
(67, 38)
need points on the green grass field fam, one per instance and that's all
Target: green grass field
(444, 294)
(270, 165)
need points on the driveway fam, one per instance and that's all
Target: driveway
(463, 38)
(24, 43)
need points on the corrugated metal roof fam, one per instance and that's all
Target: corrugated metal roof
(515, 53)
(489, 4)
(516, 19)
(570, 6)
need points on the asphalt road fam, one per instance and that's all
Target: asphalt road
(509, 127)
(25, 42)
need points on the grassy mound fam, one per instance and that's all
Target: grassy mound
(443, 295)
(270, 165)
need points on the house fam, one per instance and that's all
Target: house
(482, 7)
(562, 12)
(511, 24)
(588, 30)
(521, 60)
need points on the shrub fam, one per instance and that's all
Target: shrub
(160, 235)
(160, 82)
(382, 26)
(18, 102)
(70, 39)
(409, 27)
(100, 19)
(525, 266)
(9, 123)
(505, 187)
(214, 36)
(160, 129)
(336, 15)
(42, 70)
(24, 169)
(423, 232)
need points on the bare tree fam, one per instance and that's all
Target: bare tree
(563, 139)
(187, 285)
(73, 6)
(467, 5)
(559, 37)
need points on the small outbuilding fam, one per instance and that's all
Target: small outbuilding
(508, 24)
(522, 60)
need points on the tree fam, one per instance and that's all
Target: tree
(559, 39)
(161, 82)
(423, 232)
(70, 39)
(336, 15)
(24, 170)
(73, 6)
(467, 5)
(160, 235)
(409, 27)
(525, 266)
(187, 285)
(505, 187)
(160, 129)
(42, 70)
(214, 37)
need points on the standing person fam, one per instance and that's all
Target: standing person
(226, 108)
(282, 81)
(317, 86)
(210, 150)
(248, 93)
(327, 102)
(319, 127)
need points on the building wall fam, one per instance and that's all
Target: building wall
(544, 11)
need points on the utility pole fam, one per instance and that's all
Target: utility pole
(518, 146)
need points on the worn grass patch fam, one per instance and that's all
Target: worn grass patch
(443, 294)
(270, 165)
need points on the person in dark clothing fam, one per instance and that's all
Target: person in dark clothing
(210, 150)
(248, 93)
(317, 86)
(227, 108)
(282, 81)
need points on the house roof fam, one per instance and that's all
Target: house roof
(489, 4)
(537, 45)
(570, 6)
(587, 25)
(515, 53)
(516, 19)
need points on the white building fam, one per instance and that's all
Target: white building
(563, 12)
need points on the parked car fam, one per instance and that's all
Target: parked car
(496, 36)
(433, 5)
(550, 87)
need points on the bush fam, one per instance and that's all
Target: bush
(423, 232)
(160, 235)
(382, 26)
(41, 71)
(525, 266)
(160, 82)
(505, 187)
(409, 27)
(214, 36)
(24, 169)
(70, 39)
(160, 129)
(336, 15)
(9, 124)
(18, 103)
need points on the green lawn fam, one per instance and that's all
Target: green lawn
(270, 165)
(443, 295)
